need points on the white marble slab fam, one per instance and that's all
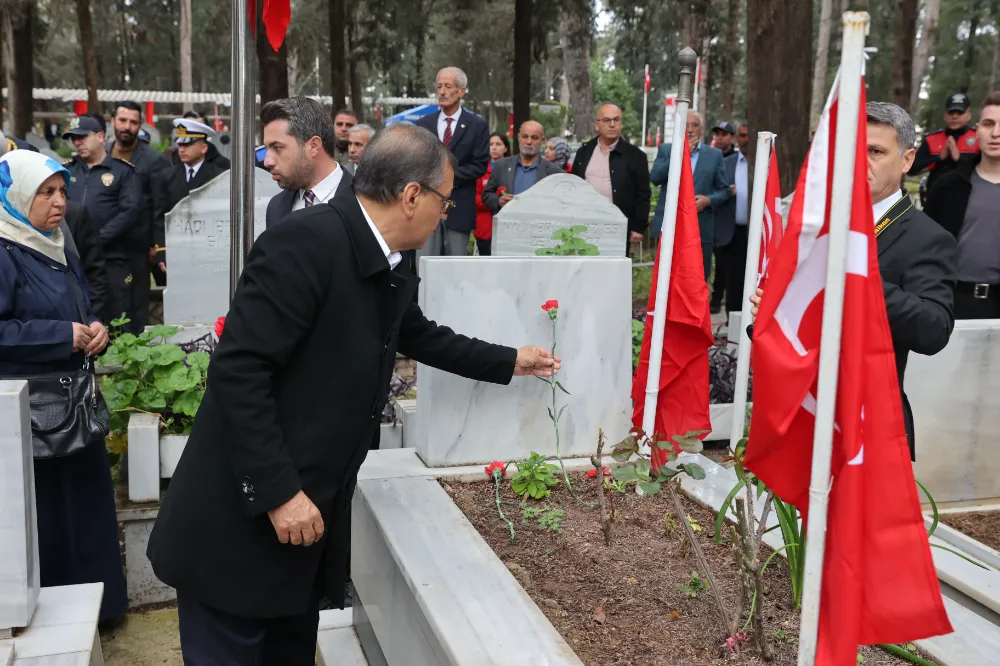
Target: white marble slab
(406, 414)
(339, 647)
(499, 299)
(527, 222)
(434, 591)
(974, 549)
(19, 577)
(955, 396)
(197, 238)
(144, 458)
(64, 629)
(6, 654)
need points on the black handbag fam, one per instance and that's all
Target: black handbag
(68, 412)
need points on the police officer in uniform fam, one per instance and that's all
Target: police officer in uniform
(109, 189)
(192, 170)
(943, 150)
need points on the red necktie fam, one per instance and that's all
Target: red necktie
(447, 133)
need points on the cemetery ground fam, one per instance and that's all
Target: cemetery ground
(624, 604)
(149, 637)
(983, 526)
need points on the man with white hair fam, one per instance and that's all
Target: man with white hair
(467, 136)
(357, 140)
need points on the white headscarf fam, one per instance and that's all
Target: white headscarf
(22, 172)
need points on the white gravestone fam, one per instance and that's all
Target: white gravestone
(499, 299)
(197, 237)
(154, 134)
(527, 222)
(42, 146)
(19, 578)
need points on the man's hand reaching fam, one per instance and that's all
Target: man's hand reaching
(535, 361)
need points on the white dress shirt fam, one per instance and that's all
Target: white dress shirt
(442, 124)
(191, 170)
(393, 257)
(324, 190)
(882, 207)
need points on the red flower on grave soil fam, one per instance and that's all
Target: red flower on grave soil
(220, 323)
(496, 465)
(592, 474)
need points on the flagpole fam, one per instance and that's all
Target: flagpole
(687, 59)
(762, 163)
(243, 99)
(855, 26)
(645, 95)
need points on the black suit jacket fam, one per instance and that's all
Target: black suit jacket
(88, 248)
(295, 390)
(470, 144)
(168, 186)
(629, 179)
(280, 205)
(917, 260)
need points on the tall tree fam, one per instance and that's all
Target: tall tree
(822, 57)
(353, 63)
(779, 78)
(187, 85)
(905, 29)
(925, 47)
(18, 19)
(338, 64)
(89, 57)
(574, 37)
(272, 66)
(522, 63)
(995, 69)
(728, 61)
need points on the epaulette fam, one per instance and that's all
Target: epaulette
(935, 132)
(125, 161)
(69, 161)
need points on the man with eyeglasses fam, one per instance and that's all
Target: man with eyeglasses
(515, 174)
(616, 169)
(943, 150)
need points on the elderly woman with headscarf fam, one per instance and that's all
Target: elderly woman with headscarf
(42, 294)
(558, 151)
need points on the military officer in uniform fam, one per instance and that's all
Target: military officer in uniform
(109, 189)
(943, 150)
(192, 170)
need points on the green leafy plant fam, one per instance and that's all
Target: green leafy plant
(535, 476)
(549, 518)
(155, 377)
(570, 245)
(786, 636)
(637, 330)
(641, 470)
(694, 585)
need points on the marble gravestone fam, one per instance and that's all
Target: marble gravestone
(563, 200)
(197, 237)
(499, 299)
(154, 134)
(42, 145)
(955, 397)
(19, 577)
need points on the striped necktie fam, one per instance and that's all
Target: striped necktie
(309, 198)
(446, 140)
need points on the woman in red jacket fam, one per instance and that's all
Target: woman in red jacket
(499, 148)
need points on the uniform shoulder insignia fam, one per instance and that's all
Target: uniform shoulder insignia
(69, 161)
(125, 161)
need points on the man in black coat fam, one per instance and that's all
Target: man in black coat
(84, 241)
(966, 203)
(620, 172)
(301, 156)
(251, 531)
(172, 184)
(467, 136)
(916, 257)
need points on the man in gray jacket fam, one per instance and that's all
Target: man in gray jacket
(515, 174)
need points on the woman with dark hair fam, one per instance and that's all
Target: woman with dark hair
(499, 149)
(558, 152)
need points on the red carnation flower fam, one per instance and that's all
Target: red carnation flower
(550, 305)
(592, 474)
(220, 323)
(496, 465)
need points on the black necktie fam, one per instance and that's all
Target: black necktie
(190, 174)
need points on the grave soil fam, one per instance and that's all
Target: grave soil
(147, 638)
(983, 526)
(620, 605)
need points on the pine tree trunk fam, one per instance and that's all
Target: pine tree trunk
(187, 84)
(901, 77)
(703, 85)
(822, 57)
(779, 78)
(338, 66)
(574, 36)
(21, 68)
(89, 59)
(922, 54)
(522, 64)
(727, 64)
(970, 48)
(995, 72)
(272, 66)
(353, 75)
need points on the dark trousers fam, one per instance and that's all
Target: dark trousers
(139, 287)
(119, 289)
(968, 306)
(721, 281)
(706, 256)
(737, 268)
(484, 246)
(211, 637)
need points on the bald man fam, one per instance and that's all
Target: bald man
(515, 174)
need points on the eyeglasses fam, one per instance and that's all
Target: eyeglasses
(610, 121)
(447, 205)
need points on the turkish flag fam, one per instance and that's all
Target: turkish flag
(772, 229)
(682, 403)
(879, 582)
(276, 16)
(645, 80)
